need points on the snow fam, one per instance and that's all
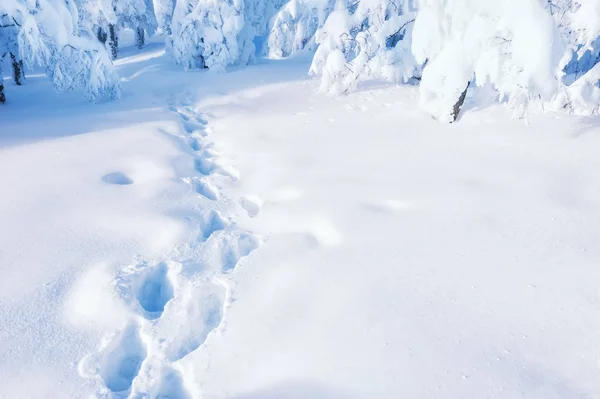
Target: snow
(406, 258)
(243, 236)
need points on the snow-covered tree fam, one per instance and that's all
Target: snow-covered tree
(294, 26)
(217, 33)
(97, 17)
(9, 47)
(513, 45)
(163, 10)
(90, 16)
(525, 49)
(108, 17)
(579, 22)
(579, 26)
(137, 15)
(368, 39)
(47, 34)
(259, 13)
(208, 35)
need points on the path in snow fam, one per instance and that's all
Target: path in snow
(119, 249)
(179, 301)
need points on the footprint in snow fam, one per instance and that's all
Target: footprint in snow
(153, 290)
(325, 233)
(206, 189)
(210, 223)
(234, 247)
(388, 206)
(207, 164)
(118, 178)
(195, 143)
(118, 361)
(204, 165)
(200, 310)
(194, 126)
(251, 205)
(190, 114)
(171, 385)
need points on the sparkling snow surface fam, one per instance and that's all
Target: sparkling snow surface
(242, 236)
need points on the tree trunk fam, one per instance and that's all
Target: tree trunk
(113, 41)
(139, 37)
(18, 73)
(102, 35)
(2, 96)
(461, 100)
(22, 70)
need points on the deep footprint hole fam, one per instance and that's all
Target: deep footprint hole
(155, 290)
(118, 178)
(205, 314)
(123, 362)
(203, 166)
(236, 248)
(206, 190)
(211, 223)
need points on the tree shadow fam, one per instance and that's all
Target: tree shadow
(150, 80)
(586, 125)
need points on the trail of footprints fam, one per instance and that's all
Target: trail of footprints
(176, 303)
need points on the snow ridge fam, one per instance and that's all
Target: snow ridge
(178, 302)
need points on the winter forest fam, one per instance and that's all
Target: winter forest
(540, 53)
(299, 199)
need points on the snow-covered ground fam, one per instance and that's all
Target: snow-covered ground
(241, 236)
